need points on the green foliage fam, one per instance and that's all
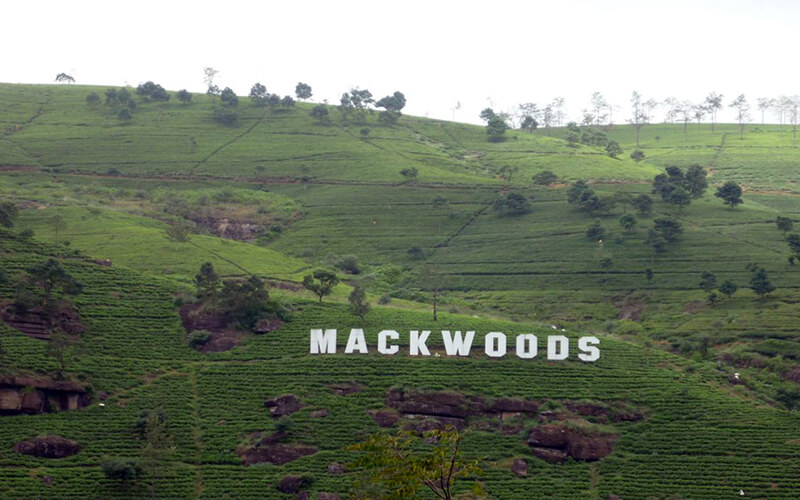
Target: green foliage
(52, 280)
(545, 178)
(637, 155)
(245, 301)
(122, 469)
(731, 194)
(398, 466)
(613, 149)
(258, 94)
(198, 338)
(124, 114)
(409, 173)
(760, 283)
(708, 281)
(789, 397)
(179, 232)
(92, 99)
(393, 105)
(61, 347)
(496, 129)
(8, 212)
(359, 306)
(627, 222)
(643, 204)
(153, 91)
(487, 114)
(321, 283)
(670, 229)
(793, 240)
(225, 116)
(595, 231)
(302, 91)
(349, 264)
(529, 124)
(679, 197)
(207, 282)
(184, 96)
(320, 113)
(784, 224)
(229, 98)
(728, 288)
(512, 204)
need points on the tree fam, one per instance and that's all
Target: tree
(637, 155)
(124, 114)
(245, 301)
(229, 98)
(595, 231)
(742, 112)
(731, 193)
(184, 96)
(794, 244)
(60, 347)
(793, 107)
(496, 129)
(207, 282)
(670, 229)
(712, 104)
(150, 90)
(157, 450)
(287, 102)
(359, 306)
(64, 78)
(760, 283)
(225, 116)
(708, 281)
(627, 222)
(696, 182)
(258, 94)
(409, 173)
(122, 469)
(92, 99)
(528, 124)
(728, 288)
(784, 224)
(179, 232)
(52, 279)
(613, 149)
(764, 104)
(397, 466)
(508, 172)
(545, 178)
(320, 113)
(8, 212)
(487, 114)
(209, 74)
(643, 204)
(789, 397)
(302, 91)
(599, 106)
(512, 204)
(679, 197)
(321, 283)
(393, 104)
(656, 241)
(639, 118)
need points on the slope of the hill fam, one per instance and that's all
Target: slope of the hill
(702, 436)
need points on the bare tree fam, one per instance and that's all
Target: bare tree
(209, 74)
(548, 118)
(685, 110)
(64, 78)
(673, 109)
(559, 109)
(599, 107)
(713, 103)
(763, 105)
(793, 105)
(455, 108)
(639, 118)
(742, 112)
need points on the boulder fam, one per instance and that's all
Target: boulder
(520, 467)
(274, 453)
(335, 468)
(347, 388)
(550, 435)
(589, 447)
(552, 455)
(513, 405)
(445, 404)
(319, 413)
(283, 405)
(267, 325)
(292, 484)
(304, 495)
(48, 447)
(587, 409)
(384, 418)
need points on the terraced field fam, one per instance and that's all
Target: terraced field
(319, 193)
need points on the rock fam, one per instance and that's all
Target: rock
(384, 418)
(552, 455)
(336, 468)
(103, 262)
(346, 388)
(793, 375)
(443, 404)
(587, 409)
(512, 405)
(509, 429)
(520, 467)
(274, 453)
(327, 496)
(283, 405)
(267, 325)
(292, 484)
(304, 495)
(20, 394)
(48, 447)
(589, 447)
(550, 435)
(318, 414)
(48, 480)
(424, 423)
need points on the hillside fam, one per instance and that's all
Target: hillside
(280, 195)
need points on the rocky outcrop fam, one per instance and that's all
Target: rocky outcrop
(48, 447)
(284, 405)
(520, 467)
(384, 418)
(439, 404)
(269, 449)
(554, 443)
(267, 325)
(37, 323)
(292, 484)
(336, 468)
(322, 495)
(27, 395)
(318, 413)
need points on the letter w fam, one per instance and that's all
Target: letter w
(456, 345)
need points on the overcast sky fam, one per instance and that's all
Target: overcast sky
(437, 53)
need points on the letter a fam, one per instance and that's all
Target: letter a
(356, 342)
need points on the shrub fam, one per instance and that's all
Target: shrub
(198, 338)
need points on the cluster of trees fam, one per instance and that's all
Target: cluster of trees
(592, 136)
(121, 100)
(678, 188)
(243, 302)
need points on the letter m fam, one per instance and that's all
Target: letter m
(323, 343)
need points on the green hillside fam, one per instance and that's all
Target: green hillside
(280, 195)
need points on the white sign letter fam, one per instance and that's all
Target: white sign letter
(323, 343)
(416, 343)
(527, 351)
(455, 345)
(495, 344)
(391, 334)
(356, 342)
(557, 347)
(590, 352)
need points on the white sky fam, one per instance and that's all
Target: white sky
(435, 52)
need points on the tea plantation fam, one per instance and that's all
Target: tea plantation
(281, 194)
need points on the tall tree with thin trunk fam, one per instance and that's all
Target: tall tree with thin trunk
(559, 108)
(713, 103)
(764, 104)
(640, 117)
(742, 108)
(793, 108)
(599, 107)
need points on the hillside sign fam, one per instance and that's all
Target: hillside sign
(495, 344)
